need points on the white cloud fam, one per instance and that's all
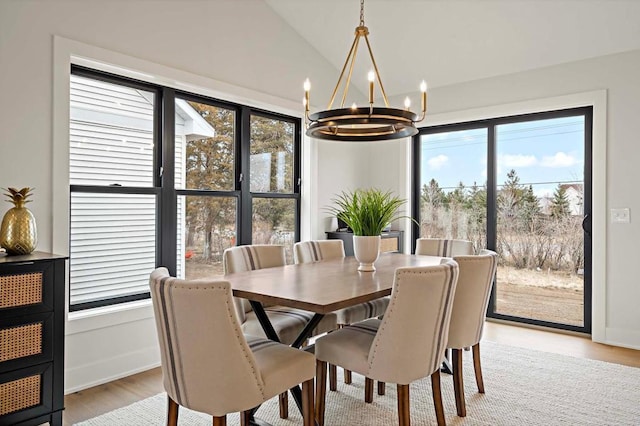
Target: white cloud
(517, 160)
(437, 162)
(561, 159)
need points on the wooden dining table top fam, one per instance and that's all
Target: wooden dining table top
(324, 286)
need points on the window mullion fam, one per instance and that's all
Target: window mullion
(167, 202)
(244, 153)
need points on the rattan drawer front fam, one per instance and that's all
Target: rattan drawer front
(20, 394)
(20, 342)
(20, 290)
(388, 244)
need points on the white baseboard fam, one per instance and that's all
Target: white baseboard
(110, 369)
(623, 337)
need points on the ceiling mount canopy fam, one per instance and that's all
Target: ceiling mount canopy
(362, 123)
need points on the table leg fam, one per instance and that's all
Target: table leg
(263, 319)
(446, 363)
(271, 334)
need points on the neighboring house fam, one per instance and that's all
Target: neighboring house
(575, 195)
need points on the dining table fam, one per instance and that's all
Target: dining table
(320, 287)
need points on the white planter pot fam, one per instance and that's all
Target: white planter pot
(366, 251)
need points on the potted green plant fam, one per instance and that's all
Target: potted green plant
(367, 212)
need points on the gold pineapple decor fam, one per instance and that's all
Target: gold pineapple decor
(18, 233)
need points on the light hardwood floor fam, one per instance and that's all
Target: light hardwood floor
(92, 402)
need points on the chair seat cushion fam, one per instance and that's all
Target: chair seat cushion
(281, 366)
(363, 311)
(287, 322)
(349, 347)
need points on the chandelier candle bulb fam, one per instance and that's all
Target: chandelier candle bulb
(407, 103)
(307, 89)
(423, 89)
(372, 77)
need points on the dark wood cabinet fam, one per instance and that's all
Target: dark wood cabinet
(32, 315)
(392, 241)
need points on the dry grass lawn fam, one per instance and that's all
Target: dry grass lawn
(543, 295)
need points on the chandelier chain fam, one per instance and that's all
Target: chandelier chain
(362, 13)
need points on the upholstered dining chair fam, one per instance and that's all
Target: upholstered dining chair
(208, 365)
(443, 247)
(287, 322)
(406, 345)
(437, 247)
(475, 279)
(314, 251)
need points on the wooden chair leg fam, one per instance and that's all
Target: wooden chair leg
(404, 411)
(333, 377)
(172, 412)
(458, 382)
(283, 402)
(220, 421)
(477, 368)
(437, 398)
(381, 388)
(368, 389)
(347, 376)
(321, 390)
(245, 418)
(307, 403)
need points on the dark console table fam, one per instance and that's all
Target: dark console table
(392, 241)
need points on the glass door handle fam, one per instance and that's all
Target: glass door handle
(586, 224)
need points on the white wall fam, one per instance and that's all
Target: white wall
(618, 75)
(239, 48)
(344, 167)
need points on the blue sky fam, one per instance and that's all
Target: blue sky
(540, 151)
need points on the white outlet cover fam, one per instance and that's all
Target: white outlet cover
(620, 216)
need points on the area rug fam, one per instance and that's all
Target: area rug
(523, 387)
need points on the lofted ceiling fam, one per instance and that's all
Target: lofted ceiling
(452, 41)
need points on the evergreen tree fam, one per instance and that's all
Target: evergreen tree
(510, 196)
(530, 204)
(476, 203)
(432, 193)
(560, 206)
(458, 196)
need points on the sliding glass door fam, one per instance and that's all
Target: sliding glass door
(520, 186)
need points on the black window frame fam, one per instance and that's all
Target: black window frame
(164, 171)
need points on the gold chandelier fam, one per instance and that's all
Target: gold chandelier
(362, 123)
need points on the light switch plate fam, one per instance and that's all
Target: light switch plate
(620, 216)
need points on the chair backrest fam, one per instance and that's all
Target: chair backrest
(313, 251)
(250, 258)
(207, 364)
(472, 297)
(412, 337)
(442, 247)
